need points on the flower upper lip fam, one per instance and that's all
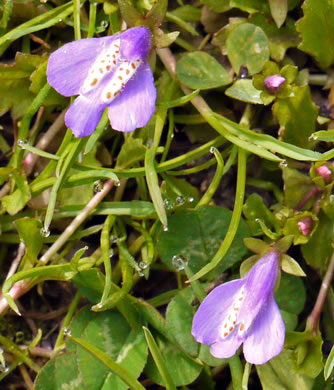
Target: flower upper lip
(243, 311)
(105, 72)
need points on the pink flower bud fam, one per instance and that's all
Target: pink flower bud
(305, 225)
(325, 173)
(272, 83)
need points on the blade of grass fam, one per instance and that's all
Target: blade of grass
(159, 360)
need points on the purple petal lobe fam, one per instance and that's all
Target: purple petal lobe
(136, 43)
(266, 336)
(209, 317)
(68, 66)
(272, 83)
(259, 286)
(227, 348)
(83, 116)
(135, 105)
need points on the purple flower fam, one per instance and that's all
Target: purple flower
(272, 83)
(243, 311)
(110, 71)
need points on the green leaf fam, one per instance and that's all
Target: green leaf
(132, 152)
(291, 295)
(317, 30)
(245, 91)
(114, 345)
(329, 364)
(55, 374)
(279, 11)
(251, 6)
(290, 266)
(297, 185)
(318, 250)
(14, 84)
(307, 352)
(179, 318)
(199, 70)
(16, 201)
(184, 369)
(297, 116)
(196, 236)
(280, 39)
(159, 360)
(217, 5)
(278, 374)
(30, 233)
(247, 45)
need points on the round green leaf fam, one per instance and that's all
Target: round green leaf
(109, 332)
(196, 236)
(56, 375)
(245, 91)
(247, 45)
(291, 294)
(179, 317)
(199, 70)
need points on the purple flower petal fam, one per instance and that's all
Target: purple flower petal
(68, 66)
(135, 105)
(84, 115)
(136, 43)
(209, 317)
(226, 348)
(259, 284)
(266, 337)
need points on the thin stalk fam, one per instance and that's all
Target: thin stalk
(313, 319)
(76, 16)
(66, 322)
(78, 220)
(236, 372)
(92, 19)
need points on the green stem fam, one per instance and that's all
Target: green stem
(92, 19)
(236, 372)
(236, 215)
(76, 16)
(66, 322)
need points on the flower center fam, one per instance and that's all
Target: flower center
(103, 65)
(230, 320)
(122, 75)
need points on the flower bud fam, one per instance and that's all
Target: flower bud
(272, 83)
(325, 173)
(305, 225)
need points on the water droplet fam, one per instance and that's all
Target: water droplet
(67, 332)
(149, 143)
(243, 73)
(180, 200)
(113, 239)
(20, 143)
(312, 137)
(179, 262)
(142, 265)
(60, 20)
(212, 150)
(165, 228)
(111, 253)
(168, 204)
(283, 164)
(104, 24)
(140, 273)
(98, 186)
(99, 305)
(45, 232)
(117, 183)
(191, 199)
